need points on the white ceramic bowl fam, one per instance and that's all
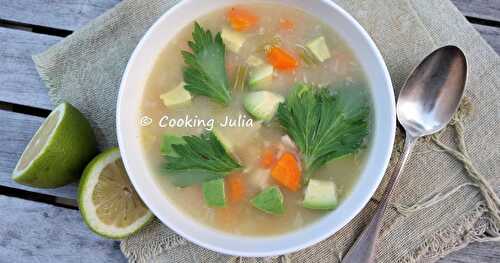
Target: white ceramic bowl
(134, 79)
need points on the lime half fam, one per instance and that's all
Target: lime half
(108, 202)
(59, 151)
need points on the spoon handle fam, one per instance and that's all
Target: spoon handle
(363, 250)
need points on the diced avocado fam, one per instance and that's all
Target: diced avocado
(214, 193)
(262, 105)
(232, 39)
(166, 148)
(226, 143)
(270, 201)
(254, 61)
(319, 48)
(177, 96)
(320, 195)
(261, 76)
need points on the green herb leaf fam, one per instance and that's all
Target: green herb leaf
(324, 124)
(205, 71)
(199, 159)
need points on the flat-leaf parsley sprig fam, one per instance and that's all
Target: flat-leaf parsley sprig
(198, 159)
(325, 124)
(205, 70)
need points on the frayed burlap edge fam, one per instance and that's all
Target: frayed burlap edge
(151, 249)
(481, 225)
(477, 226)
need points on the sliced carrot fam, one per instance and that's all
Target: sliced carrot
(281, 59)
(241, 19)
(236, 187)
(268, 157)
(287, 171)
(286, 24)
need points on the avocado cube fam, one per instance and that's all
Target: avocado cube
(232, 39)
(261, 77)
(270, 200)
(321, 195)
(214, 193)
(177, 96)
(262, 105)
(319, 48)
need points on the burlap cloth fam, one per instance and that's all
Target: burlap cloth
(446, 197)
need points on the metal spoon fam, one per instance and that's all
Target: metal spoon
(426, 104)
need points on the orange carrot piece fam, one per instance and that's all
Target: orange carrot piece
(241, 19)
(281, 59)
(287, 172)
(236, 187)
(286, 24)
(267, 158)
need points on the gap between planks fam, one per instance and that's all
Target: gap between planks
(38, 197)
(37, 232)
(34, 28)
(481, 9)
(65, 15)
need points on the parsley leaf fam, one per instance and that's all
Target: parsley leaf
(205, 70)
(325, 124)
(198, 159)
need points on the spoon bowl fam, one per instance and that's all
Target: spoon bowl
(432, 93)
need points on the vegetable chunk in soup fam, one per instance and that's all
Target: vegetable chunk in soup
(261, 119)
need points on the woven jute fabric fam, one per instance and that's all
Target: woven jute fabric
(446, 197)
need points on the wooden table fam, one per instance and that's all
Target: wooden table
(45, 225)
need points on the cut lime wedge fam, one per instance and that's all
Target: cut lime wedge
(58, 152)
(108, 202)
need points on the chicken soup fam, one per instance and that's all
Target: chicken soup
(261, 119)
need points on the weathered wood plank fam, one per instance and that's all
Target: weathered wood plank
(19, 79)
(22, 85)
(67, 14)
(33, 232)
(484, 9)
(16, 131)
(476, 252)
(72, 14)
(491, 35)
(37, 232)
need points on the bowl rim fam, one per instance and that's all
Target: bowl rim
(273, 251)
